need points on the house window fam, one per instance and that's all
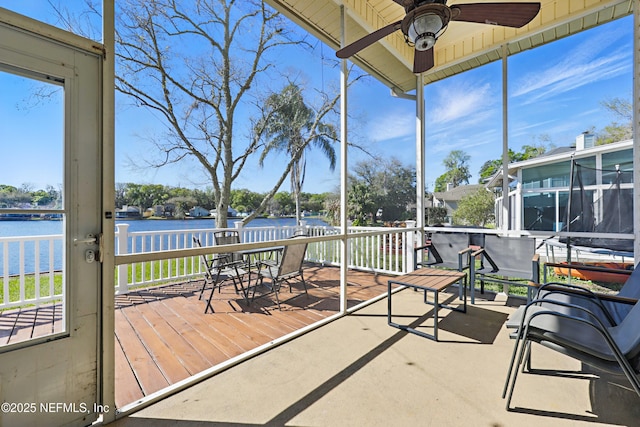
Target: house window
(623, 160)
(540, 211)
(558, 174)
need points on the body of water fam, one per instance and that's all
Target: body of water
(54, 228)
(44, 228)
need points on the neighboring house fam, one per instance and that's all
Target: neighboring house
(449, 199)
(231, 213)
(166, 211)
(128, 212)
(198, 212)
(539, 187)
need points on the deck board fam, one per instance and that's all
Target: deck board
(163, 336)
(234, 327)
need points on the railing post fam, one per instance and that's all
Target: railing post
(409, 253)
(122, 235)
(238, 226)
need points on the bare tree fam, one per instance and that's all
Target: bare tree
(197, 64)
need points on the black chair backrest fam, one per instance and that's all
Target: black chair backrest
(228, 237)
(292, 259)
(512, 255)
(447, 246)
(203, 258)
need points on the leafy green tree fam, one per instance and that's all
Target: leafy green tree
(294, 128)
(435, 215)
(476, 209)
(361, 203)
(332, 209)
(282, 204)
(314, 202)
(204, 198)
(13, 197)
(388, 185)
(491, 167)
(42, 198)
(617, 130)
(121, 194)
(182, 205)
(146, 195)
(457, 170)
(245, 200)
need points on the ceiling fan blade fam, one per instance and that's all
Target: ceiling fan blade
(422, 61)
(506, 14)
(367, 40)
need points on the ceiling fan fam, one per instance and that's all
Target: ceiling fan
(426, 20)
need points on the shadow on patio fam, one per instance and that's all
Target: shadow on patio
(359, 371)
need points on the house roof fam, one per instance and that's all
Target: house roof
(461, 47)
(457, 193)
(558, 154)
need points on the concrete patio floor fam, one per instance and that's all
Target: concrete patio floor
(358, 371)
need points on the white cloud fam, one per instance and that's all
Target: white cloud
(466, 100)
(392, 125)
(597, 58)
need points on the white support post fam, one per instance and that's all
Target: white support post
(505, 144)
(123, 238)
(106, 358)
(410, 243)
(420, 161)
(344, 246)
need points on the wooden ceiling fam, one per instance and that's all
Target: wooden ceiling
(463, 45)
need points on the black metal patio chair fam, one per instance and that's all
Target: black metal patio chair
(288, 268)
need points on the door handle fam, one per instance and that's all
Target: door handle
(90, 239)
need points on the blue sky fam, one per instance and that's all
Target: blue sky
(555, 93)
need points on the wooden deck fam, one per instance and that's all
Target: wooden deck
(23, 324)
(163, 335)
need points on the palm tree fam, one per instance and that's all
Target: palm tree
(294, 128)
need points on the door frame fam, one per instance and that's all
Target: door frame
(102, 185)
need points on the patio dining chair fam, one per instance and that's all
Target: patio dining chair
(588, 338)
(446, 250)
(219, 270)
(450, 251)
(505, 260)
(288, 268)
(228, 237)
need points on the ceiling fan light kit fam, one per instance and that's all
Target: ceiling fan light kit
(423, 30)
(426, 20)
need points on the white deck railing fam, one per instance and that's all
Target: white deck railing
(37, 258)
(38, 279)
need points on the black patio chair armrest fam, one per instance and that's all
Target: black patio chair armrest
(478, 252)
(577, 291)
(573, 289)
(597, 323)
(419, 248)
(222, 259)
(461, 254)
(485, 254)
(465, 250)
